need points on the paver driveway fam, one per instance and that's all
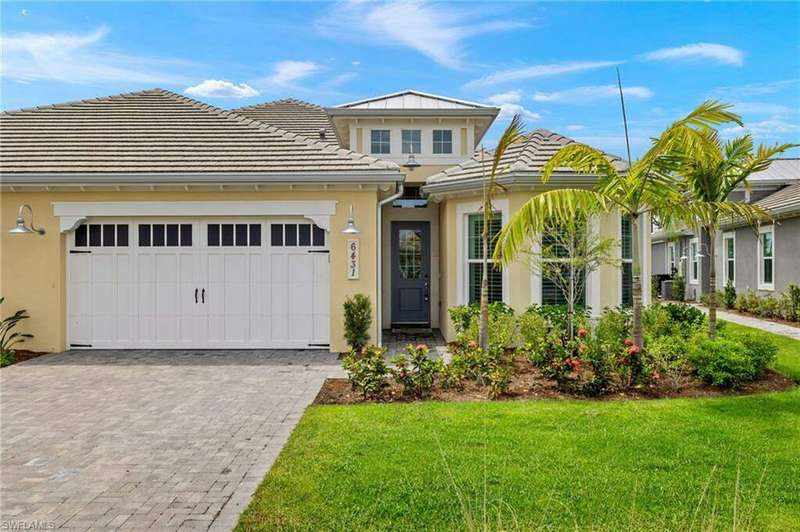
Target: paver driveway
(136, 439)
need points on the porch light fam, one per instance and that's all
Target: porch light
(411, 163)
(21, 228)
(350, 228)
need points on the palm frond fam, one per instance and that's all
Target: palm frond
(581, 159)
(530, 219)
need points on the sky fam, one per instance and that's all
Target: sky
(554, 63)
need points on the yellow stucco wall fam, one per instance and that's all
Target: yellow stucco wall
(32, 267)
(519, 273)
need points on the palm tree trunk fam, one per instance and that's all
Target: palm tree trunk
(636, 266)
(712, 282)
(483, 329)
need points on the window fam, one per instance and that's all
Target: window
(412, 141)
(105, 235)
(729, 257)
(412, 198)
(240, 235)
(551, 292)
(671, 257)
(694, 261)
(475, 258)
(442, 141)
(626, 254)
(409, 253)
(766, 258)
(380, 141)
(160, 235)
(294, 235)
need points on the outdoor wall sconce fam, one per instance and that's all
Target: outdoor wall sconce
(350, 228)
(411, 163)
(21, 228)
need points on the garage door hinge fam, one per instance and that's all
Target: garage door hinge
(319, 251)
(79, 251)
(80, 345)
(319, 345)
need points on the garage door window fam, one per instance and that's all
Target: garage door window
(241, 235)
(165, 235)
(105, 235)
(293, 235)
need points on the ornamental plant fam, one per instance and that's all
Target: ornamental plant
(416, 371)
(367, 370)
(357, 321)
(8, 337)
(729, 295)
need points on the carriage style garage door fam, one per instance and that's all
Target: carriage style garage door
(183, 283)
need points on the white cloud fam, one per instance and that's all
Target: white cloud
(218, 88)
(756, 89)
(716, 53)
(575, 127)
(436, 31)
(763, 108)
(286, 72)
(79, 58)
(771, 128)
(590, 94)
(508, 102)
(537, 71)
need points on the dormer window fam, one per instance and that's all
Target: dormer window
(442, 141)
(412, 141)
(379, 141)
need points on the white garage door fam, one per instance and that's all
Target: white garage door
(219, 284)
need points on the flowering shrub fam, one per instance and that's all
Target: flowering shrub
(416, 371)
(367, 370)
(785, 306)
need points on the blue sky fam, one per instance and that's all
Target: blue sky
(552, 62)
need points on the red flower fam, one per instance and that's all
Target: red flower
(634, 349)
(472, 344)
(628, 342)
(422, 347)
(583, 333)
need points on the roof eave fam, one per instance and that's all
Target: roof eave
(516, 178)
(488, 112)
(360, 176)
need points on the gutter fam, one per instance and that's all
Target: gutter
(474, 183)
(88, 178)
(379, 272)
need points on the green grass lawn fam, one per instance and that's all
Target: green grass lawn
(687, 464)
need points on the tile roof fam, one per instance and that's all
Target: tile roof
(411, 99)
(526, 156)
(296, 116)
(786, 169)
(787, 198)
(160, 132)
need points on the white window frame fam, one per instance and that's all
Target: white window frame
(694, 259)
(624, 260)
(725, 238)
(381, 142)
(761, 231)
(415, 146)
(463, 211)
(442, 143)
(671, 257)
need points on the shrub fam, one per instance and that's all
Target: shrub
(452, 375)
(367, 369)
(502, 330)
(357, 321)
(747, 302)
(721, 362)
(729, 295)
(767, 307)
(533, 328)
(664, 360)
(8, 338)
(705, 299)
(613, 327)
(761, 349)
(498, 380)
(6, 358)
(416, 371)
(685, 314)
(461, 316)
(656, 321)
(793, 295)
(678, 287)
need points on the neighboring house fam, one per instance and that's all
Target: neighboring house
(174, 224)
(764, 259)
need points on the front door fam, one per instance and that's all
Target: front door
(411, 271)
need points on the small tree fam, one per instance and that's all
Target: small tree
(357, 321)
(566, 252)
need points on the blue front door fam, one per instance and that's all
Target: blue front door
(411, 271)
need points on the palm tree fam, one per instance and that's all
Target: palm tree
(709, 172)
(490, 188)
(647, 186)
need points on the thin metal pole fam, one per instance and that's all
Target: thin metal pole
(624, 117)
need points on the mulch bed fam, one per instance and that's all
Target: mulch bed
(529, 383)
(21, 355)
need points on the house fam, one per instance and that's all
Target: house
(764, 260)
(169, 223)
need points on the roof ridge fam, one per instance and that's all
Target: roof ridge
(82, 101)
(281, 100)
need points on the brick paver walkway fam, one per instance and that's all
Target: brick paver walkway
(135, 439)
(764, 325)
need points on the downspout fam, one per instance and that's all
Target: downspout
(379, 295)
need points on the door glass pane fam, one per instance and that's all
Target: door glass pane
(172, 234)
(305, 234)
(158, 234)
(109, 232)
(276, 234)
(255, 234)
(291, 234)
(122, 235)
(227, 234)
(94, 235)
(241, 234)
(213, 234)
(81, 236)
(144, 235)
(409, 253)
(186, 235)
(319, 236)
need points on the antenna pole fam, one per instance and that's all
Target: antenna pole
(624, 117)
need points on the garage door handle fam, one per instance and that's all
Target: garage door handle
(203, 295)
(195, 295)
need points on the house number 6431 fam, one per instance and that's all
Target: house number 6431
(352, 259)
